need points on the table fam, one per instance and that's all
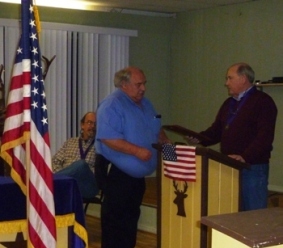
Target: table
(70, 221)
(256, 228)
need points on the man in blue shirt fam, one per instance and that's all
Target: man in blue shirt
(127, 126)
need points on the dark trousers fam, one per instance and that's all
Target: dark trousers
(120, 210)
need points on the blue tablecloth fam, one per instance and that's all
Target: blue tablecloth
(67, 199)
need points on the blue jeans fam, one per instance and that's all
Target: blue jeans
(254, 187)
(85, 178)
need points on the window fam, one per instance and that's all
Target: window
(80, 76)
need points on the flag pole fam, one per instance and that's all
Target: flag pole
(29, 245)
(26, 124)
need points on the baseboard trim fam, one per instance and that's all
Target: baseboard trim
(147, 213)
(275, 188)
(147, 228)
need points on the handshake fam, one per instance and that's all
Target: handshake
(191, 140)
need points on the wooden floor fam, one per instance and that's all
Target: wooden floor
(149, 240)
(144, 239)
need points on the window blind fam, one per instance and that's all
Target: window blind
(80, 76)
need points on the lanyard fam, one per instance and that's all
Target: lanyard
(235, 107)
(83, 154)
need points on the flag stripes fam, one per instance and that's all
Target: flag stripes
(179, 162)
(25, 141)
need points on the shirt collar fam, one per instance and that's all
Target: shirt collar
(88, 140)
(242, 94)
(130, 99)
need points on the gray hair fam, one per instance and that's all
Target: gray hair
(124, 75)
(121, 76)
(245, 69)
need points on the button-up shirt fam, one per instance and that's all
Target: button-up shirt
(70, 152)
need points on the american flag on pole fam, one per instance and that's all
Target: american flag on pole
(179, 162)
(25, 141)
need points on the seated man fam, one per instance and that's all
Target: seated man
(76, 157)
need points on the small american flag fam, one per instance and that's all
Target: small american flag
(179, 162)
(25, 141)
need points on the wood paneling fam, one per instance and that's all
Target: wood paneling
(221, 182)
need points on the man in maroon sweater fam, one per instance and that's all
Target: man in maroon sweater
(245, 126)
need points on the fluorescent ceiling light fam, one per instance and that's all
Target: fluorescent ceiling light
(68, 4)
(88, 5)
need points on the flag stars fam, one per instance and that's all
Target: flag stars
(19, 50)
(35, 63)
(25, 92)
(33, 36)
(44, 107)
(34, 104)
(43, 94)
(44, 121)
(35, 91)
(35, 78)
(34, 51)
(32, 23)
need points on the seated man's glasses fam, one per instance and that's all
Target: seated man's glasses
(90, 123)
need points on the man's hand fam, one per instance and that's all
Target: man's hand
(191, 140)
(143, 154)
(237, 157)
(162, 138)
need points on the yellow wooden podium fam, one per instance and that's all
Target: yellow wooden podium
(216, 191)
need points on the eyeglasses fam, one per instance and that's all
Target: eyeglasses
(90, 123)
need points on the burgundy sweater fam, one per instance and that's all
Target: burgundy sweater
(251, 128)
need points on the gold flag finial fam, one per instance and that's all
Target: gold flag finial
(37, 21)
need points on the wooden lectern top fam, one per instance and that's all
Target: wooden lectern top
(186, 132)
(202, 150)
